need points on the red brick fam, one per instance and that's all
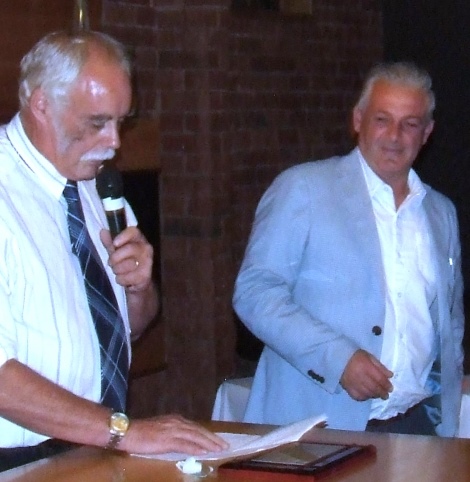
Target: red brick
(239, 98)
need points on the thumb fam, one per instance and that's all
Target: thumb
(107, 241)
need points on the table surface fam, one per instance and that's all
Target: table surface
(398, 458)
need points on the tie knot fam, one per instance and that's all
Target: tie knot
(71, 192)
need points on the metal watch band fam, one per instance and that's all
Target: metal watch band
(114, 441)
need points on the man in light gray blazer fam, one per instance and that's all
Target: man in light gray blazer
(352, 279)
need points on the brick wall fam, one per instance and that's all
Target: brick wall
(239, 97)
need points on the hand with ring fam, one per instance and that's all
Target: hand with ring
(130, 257)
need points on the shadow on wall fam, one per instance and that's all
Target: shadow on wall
(248, 350)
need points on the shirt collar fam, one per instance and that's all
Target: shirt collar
(375, 185)
(32, 159)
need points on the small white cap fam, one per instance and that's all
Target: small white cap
(189, 466)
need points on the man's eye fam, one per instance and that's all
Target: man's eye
(98, 125)
(412, 124)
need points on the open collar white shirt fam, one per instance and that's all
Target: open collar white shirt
(45, 322)
(409, 341)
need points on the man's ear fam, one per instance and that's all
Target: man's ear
(38, 104)
(427, 131)
(356, 119)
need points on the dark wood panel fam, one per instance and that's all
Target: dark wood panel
(22, 23)
(140, 145)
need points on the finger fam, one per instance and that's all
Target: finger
(381, 367)
(105, 237)
(361, 393)
(127, 266)
(382, 382)
(190, 447)
(361, 389)
(193, 438)
(204, 435)
(131, 252)
(129, 235)
(383, 391)
(202, 444)
(379, 388)
(380, 375)
(370, 389)
(216, 442)
(356, 395)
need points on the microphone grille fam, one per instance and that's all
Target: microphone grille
(109, 183)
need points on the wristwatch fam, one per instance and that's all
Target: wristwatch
(118, 426)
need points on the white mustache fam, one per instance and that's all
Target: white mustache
(98, 155)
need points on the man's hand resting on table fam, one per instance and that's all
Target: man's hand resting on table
(170, 433)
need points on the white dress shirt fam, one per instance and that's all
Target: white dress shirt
(45, 319)
(409, 341)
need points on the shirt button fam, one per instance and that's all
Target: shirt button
(376, 330)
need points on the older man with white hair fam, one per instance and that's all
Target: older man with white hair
(71, 297)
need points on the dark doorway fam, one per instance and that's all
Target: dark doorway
(435, 35)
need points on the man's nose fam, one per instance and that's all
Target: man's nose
(394, 130)
(113, 138)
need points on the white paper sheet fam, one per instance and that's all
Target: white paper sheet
(242, 445)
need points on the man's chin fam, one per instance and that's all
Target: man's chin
(89, 169)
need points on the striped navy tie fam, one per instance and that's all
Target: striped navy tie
(103, 306)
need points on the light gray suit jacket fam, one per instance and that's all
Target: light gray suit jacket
(311, 287)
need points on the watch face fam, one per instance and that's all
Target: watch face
(119, 423)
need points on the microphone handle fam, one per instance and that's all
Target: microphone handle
(116, 221)
(115, 214)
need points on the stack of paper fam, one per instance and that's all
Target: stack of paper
(244, 445)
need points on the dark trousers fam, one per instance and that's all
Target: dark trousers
(415, 422)
(14, 457)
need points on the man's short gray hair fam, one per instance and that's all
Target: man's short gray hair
(400, 73)
(55, 62)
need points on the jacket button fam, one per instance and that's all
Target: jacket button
(376, 330)
(315, 376)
